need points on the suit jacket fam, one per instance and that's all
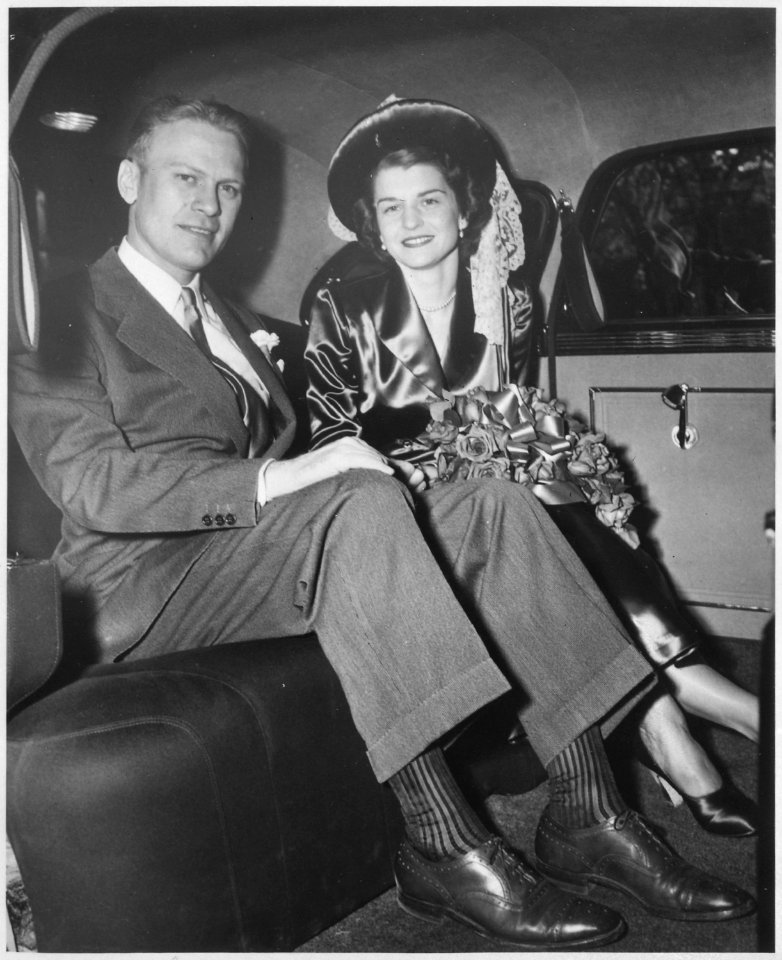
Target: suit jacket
(372, 365)
(138, 440)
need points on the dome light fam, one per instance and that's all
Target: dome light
(69, 120)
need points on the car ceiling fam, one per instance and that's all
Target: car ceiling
(561, 88)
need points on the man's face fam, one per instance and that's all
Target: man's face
(184, 195)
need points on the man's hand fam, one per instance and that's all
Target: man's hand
(347, 453)
(413, 476)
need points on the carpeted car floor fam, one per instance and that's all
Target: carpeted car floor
(381, 926)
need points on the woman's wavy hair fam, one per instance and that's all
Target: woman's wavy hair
(472, 197)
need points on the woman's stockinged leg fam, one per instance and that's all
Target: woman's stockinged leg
(664, 733)
(685, 772)
(707, 694)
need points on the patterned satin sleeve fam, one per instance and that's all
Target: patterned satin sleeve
(330, 360)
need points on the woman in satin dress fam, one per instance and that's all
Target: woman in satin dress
(425, 306)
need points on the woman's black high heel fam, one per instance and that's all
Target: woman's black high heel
(725, 811)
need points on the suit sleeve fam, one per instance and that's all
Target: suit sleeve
(330, 360)
(65, 419)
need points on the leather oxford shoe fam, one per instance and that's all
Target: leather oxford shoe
(490, 890)
(625, 854)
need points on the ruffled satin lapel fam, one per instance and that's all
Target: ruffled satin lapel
(467, 349)
(401, 327)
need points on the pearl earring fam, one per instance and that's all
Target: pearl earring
(461, 233)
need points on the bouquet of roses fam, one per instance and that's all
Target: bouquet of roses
(514, 434)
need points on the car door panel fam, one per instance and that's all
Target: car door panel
(710, 541)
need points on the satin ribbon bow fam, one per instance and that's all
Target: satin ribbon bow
(552, 441)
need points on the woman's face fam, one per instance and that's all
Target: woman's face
(417, 215)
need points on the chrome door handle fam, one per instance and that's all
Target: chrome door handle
(675, 397)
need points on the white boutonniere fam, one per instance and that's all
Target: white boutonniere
(267, 342)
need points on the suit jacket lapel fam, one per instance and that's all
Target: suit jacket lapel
(146, 328)
(240, 324)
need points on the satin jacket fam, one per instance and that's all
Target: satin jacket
(138, 439)
(373, 367)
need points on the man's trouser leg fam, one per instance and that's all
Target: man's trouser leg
(344, 558)
(543, 618)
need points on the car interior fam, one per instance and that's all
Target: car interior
(220, 799)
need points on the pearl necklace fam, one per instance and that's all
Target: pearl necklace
(441, 306)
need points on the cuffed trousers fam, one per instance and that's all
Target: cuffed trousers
(421, 630)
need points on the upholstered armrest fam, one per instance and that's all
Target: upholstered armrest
(209, 800)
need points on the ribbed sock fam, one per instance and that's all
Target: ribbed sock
(582, 789)
(438, 820)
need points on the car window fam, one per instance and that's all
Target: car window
(683, 232)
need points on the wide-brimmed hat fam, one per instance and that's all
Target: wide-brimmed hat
(399, 125)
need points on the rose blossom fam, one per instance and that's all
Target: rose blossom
(468, 409)
(457, 469)
(490, 469)
(615, 513)
(441, 431)
(475, 445)
(581, 468)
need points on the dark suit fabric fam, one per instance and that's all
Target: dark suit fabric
(137, 439)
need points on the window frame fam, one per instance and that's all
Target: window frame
(747, 333)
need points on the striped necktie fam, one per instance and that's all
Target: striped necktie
(252, 408)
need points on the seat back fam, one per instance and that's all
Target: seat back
(33, 521)
(34, 635)
(33, 628)
(539, 218)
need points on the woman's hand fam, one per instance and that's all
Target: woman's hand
(348, 453)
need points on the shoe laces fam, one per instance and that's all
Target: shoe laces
(515, 863)
(637, 820)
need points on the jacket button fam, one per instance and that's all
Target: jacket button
(230, 519)
(206, 520)
(219, 519)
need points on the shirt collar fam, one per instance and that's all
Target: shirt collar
(159, 284)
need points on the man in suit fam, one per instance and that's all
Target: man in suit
(154, 418)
